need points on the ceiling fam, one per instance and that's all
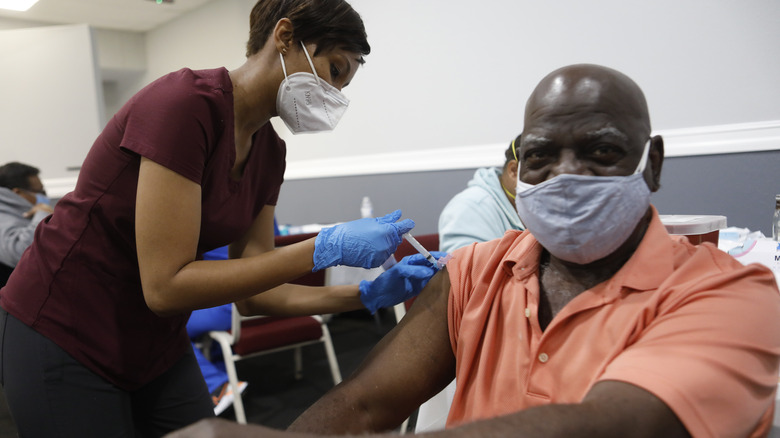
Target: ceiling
(130, 15)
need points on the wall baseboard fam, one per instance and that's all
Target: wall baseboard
(708, 140)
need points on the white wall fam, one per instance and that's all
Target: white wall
(122, 60)
(52, 105)
(446, 82)
(455, 74)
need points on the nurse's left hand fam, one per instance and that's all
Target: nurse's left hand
(364, 243)
(403, 281)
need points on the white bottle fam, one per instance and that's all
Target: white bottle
(366, 209)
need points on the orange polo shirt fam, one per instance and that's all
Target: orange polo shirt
(687, 323)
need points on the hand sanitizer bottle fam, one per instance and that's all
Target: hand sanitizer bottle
(366, 209)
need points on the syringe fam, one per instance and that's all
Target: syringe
(421, 249)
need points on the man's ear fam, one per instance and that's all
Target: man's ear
(509, 175)
(511, 169)
(656, 161)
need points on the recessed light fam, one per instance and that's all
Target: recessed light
(17, 5)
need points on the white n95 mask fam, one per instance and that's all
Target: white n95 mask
(583, 218)
(307, 103)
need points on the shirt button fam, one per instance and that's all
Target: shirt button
(543, 357)
(527, 312)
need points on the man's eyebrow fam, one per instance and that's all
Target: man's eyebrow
(607, 131)
(535, 139)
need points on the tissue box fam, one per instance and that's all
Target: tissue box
(696, 228)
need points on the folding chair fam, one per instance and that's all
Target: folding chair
(254, 336)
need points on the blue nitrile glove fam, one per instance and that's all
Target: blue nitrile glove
(403, 281)
(364, 243)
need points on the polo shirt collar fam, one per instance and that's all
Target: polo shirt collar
(651, 263)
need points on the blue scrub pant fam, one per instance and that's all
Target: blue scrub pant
(201, 322)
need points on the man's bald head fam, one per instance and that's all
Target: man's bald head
(591, 88)
(590, 120)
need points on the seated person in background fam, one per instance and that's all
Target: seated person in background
(594, 322)
(485, 209)
(23, 204)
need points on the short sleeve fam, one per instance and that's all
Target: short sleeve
(712, 354)
(175, 123)
(458, 269)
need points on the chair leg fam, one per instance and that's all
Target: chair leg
(335, 372)
(298, 363)
(230, 367)
(404, 426)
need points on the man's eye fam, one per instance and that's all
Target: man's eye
(603, 150)
(334, 71)
(607, 152)
(536, 158)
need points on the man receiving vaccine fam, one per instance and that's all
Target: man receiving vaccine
(592, 322)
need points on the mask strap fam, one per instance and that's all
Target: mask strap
(284, 70)
(508, 193)
(311, 64)
(643, 162)
(514, 151)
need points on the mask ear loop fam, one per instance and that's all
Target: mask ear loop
(284, 69)
(521, 186)
(311, 64)
(643, 161)
(514, 152)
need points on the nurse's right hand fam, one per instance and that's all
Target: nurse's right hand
(364, 243)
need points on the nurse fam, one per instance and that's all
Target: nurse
(93, 321)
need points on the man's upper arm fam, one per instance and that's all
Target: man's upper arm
(409, 365)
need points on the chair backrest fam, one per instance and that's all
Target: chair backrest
(5, 272)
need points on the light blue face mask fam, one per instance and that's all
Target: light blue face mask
(584, 218)
(40, 198)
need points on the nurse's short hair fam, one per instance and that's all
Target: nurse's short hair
(327, 23)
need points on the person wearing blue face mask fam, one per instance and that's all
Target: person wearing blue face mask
(93, 316)
(593, 322)
(23, 204)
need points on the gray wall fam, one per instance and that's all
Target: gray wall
(739, 186)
